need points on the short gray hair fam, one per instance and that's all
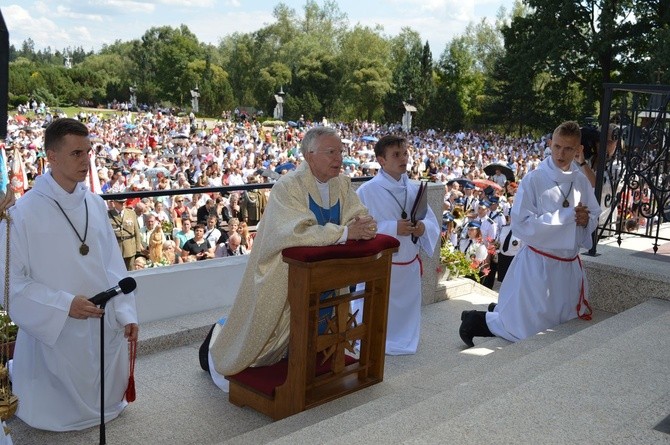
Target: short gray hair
(308, 144)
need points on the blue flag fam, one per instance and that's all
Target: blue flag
(4, 177)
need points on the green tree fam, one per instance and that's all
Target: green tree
(161, 59)
(367, 78)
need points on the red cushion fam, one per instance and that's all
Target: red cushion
(350, 249)
(266, 378)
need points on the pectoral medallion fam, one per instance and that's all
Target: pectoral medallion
(83, 249)
(566, 203)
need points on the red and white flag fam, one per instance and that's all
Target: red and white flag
(18, 180)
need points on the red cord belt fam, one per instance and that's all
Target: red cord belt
(582, 298)
(407, 263)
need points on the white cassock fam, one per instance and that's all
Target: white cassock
(385, 198)
(56, 367)
(540, 292)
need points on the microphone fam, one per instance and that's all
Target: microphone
(125, 286)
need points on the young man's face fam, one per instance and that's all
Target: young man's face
(564, 149)
(69, 162)
(394, 161)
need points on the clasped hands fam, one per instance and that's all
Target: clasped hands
(362, 227)
(582, 215)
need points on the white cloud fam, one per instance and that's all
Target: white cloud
(190, 3)
(130, 6)
(43, 31)
(65, 12)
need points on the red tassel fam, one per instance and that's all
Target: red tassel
(132, 353)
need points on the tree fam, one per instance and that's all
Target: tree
(161, 60)
(365, 58)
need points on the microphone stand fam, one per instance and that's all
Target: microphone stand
(102, 376)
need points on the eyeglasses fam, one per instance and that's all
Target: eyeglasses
(332, 152)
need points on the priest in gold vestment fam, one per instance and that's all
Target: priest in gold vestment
(311, 206)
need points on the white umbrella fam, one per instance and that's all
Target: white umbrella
(371, 165)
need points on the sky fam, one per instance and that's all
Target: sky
(93, 23)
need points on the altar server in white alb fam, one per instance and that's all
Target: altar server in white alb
(63, 252)
(389, 197)
(554, 214)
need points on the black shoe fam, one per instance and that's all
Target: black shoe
(203, 352)
(473, 324)
(492, 307)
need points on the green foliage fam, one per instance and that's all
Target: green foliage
(457, 263)
(542, 63)
(8, 329)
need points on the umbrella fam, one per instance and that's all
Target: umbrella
(154, 171)
(347, 141)
(373, 164)
(130, 126)
(285, 166)
(366, 151)
(134, 150)
(461, 182)
(292, 124)
(350, 161)
(180, 136)
(504, 169)
(267, 173)
(369, 139)
(484, 183)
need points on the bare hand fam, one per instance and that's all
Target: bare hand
(7, 201)
(362, 227)
(406, 228)
(131, 331)
(581, 215)
(81, 309)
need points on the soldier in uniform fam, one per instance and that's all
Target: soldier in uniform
(127, 231)
(252, 205)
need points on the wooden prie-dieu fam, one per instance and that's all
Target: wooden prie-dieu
(324, 366)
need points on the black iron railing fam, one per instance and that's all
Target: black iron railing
(633, 185)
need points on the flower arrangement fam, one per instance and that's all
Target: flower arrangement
(167, 227)
(160, 263)
(457, 263)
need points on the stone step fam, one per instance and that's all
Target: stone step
(416, 403)
(613, 392)
(175, 332)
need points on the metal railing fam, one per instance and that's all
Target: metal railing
(634, 183)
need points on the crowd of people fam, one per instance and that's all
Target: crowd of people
(155, 151)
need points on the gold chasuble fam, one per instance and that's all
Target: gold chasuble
(256, 332)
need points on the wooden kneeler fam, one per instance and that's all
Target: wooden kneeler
(317, 369)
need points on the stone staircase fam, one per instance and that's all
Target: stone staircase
(581, 382)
